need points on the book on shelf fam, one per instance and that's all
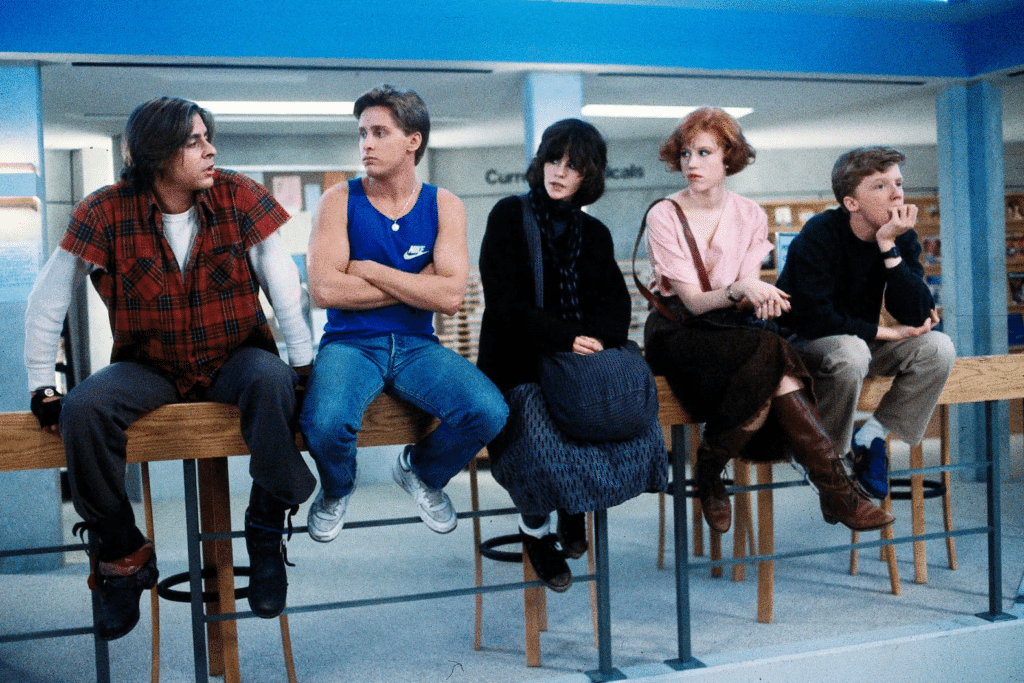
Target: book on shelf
(1014, 329)
(934, 283)
(1014, 247)
(931, 250)
(1016, 287)
(782, 242)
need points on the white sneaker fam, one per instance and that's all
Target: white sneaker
(435, 507)
(327, 517)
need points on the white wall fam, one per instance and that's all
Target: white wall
(480, 177)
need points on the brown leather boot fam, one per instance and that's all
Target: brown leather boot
(841, 500)
(714, 501)
(714, 453)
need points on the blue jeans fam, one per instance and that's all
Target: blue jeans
(349, 374)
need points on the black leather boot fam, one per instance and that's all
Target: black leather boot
(264, 531)
(123, 567)
(841, 500)
(572, 534)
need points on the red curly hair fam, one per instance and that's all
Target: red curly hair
(737, 151)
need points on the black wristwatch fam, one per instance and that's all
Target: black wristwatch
(892, 253)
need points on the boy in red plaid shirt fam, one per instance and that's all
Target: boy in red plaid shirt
(178, 250)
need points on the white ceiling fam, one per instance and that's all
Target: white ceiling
(481, 104)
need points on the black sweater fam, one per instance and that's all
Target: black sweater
(837, 281)
(514, 332)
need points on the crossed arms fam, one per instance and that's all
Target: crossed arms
(337, 281)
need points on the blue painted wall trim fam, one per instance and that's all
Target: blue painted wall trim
(996, 42)
(516, 31)
(29, 501)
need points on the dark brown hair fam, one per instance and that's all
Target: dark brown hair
(738, 153)
(407, 107)
(587, 152)
(155, 131)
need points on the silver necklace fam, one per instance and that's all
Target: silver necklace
(394, 221)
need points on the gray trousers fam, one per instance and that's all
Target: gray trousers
(839, 364)
(96, 413)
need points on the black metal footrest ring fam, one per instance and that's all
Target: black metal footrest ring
(165, 588)
(932, 489)
(488, 548)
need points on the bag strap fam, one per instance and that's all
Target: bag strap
(702, 272)
(533, 247)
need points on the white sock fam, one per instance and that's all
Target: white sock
(539, 532)
(872, 429)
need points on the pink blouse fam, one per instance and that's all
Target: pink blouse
(737, 248)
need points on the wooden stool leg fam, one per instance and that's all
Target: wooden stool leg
(478, 564)
(533, 606)
(741, 519)
(592, 569)
(765, 546)
(660, 529)
(286, 645)
(854, 555)
(917, 514)
(716, 551)
(947, 498)
(542, 602)
(215, 514)
(887, 552)
(154, 597)
(890, 551)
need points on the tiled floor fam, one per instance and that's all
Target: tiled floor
(815, 598)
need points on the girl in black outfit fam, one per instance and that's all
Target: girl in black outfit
(586, 309)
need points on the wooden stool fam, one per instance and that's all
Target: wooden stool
(534, 598)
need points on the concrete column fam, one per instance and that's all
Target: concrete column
(971, 201)
(29, 501)
(548, 97)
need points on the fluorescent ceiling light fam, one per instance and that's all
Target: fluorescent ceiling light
(244, 108)
(648, 111)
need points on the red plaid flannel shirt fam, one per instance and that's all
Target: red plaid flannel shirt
(185, 325)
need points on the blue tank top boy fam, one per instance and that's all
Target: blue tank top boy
(410, 249)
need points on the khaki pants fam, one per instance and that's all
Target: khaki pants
(839, 364)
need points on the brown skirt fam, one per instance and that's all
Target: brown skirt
(724, 372)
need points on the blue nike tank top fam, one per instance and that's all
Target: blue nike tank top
(409, 249)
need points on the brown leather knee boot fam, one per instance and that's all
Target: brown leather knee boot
(714, 453)
(841, 500)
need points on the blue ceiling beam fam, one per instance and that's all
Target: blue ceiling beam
(517, 31)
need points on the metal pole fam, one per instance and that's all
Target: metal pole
(682, 549)
(605, 672)
(995, 536)
(100, 645)
(195, 570)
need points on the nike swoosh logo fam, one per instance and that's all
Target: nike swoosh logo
(415, 251)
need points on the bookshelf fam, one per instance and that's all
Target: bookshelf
(1015, 270)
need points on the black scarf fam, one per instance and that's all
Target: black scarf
(547, 211)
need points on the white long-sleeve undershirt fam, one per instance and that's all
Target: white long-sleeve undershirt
(62, 274)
